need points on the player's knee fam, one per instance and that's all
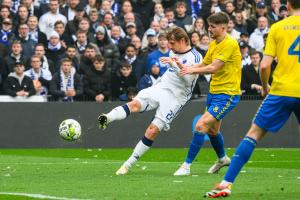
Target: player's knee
(152, 132)
(134, 106)
(201, 127)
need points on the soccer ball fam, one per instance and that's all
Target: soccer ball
(70, 129)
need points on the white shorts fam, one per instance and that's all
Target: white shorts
(166, 104)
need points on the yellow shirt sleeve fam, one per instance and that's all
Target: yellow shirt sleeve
(207, 59)
(270, 48)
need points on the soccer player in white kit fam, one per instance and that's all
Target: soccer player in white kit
(167, 96)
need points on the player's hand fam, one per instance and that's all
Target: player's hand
(166, 60)
(185, 70)
(265, 91)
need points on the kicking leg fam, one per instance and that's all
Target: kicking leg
(118, 113)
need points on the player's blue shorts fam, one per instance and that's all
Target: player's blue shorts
(275, 111)
(218, 105)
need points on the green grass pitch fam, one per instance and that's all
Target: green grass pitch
(90, 174)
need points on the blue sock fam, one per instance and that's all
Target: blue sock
(126, 109)
(218, 144)
(240, 158)
(195, 146)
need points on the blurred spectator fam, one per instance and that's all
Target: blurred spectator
(72, 26)
(121, 80)
(246, 60)
(39, 76)
(154, 26)
(204, 43)
(158, 12)
(84, 26)
(16, 55)
(34, 32)
(211, 7)
(260, 11)
(244, 37)
(22, 16)
(163, 24)
(240, 22)
(251, 84)
(229, 8)
(45, 62)
(200, 42)
(126, 7)
(130, 18)
(170, 15)
(87, 60)
(65, 40)
(97, 81)
(108, 22)
(199, 26)
(105, 8)
(146, 10)
(55, 51)
(4, 13)
(81, 42)
(70, 9)
(17, 83)
(47, 20)
(6, 34)
(33, 10)
(274, 10)
(91, 6)
(137, 62)
(152, 42)
(73, 56)
(131, 31)
(66, 83)
(136, 41)
(94, 19)
(256, 38)
(162, 51)
(150, 79)
(117, 39)
(231, 31)
(182, 19)
(244, 7)
(27, 43)
(283, 12)
(108, 50)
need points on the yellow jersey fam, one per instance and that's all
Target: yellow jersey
(283, 42)
(226, 80)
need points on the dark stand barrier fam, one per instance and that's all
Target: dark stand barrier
(35, 125)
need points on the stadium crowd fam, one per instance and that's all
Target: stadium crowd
(109, 50)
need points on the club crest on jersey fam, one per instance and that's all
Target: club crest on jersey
(215, 109)
(184, 61)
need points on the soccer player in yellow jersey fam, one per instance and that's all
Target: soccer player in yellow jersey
(281, 100)
(223, 60)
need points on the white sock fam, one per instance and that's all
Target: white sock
(187, 165)
(225, 183)
(117, 113)
(138, 151)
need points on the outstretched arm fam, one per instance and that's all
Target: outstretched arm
(202, 68)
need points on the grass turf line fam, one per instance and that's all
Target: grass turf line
(89, 174)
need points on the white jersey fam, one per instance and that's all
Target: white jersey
(181, 86)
